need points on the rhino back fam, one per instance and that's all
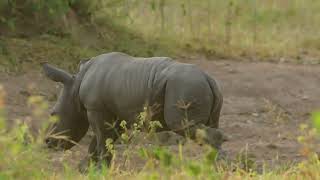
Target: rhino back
(120, 83)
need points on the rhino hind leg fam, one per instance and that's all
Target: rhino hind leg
(186, 103)
(187, 111)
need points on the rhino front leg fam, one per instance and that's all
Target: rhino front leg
(91, 157)
(99, 125)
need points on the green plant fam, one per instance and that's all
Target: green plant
(307, 140)
(316, 120)
(21, 160)
(19, 149)
(237, 29)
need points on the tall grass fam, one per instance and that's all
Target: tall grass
(265, 29)
(279, 30)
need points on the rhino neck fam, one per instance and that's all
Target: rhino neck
(77, 84)
(80, 114)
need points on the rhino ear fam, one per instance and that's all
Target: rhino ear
(56, 74)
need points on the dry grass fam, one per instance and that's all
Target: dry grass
(278, 30)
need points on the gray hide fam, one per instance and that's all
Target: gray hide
(116, 86)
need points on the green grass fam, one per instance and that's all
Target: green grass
(23, 53)
(81, 40)
(242, 29)
(23, 156)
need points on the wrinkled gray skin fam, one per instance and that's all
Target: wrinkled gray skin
(116, 86)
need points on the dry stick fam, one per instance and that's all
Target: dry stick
(161, 6)
(126, 11)
(254, 27)
(278, 105)
(155, 19)
(228, 24)
(209, 17)
(183, 29)
(210, 29)
(297, 36)
(190, 18)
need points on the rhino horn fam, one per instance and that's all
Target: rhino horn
(56, 74)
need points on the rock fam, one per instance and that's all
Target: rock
(272, 146)
(255, 114)
(232, 71)
(25, 93)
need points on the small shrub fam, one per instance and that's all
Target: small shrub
(316, 120)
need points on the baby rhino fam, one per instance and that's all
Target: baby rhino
(115, 86)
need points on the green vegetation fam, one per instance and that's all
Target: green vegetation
(316, 121)
(66, 31)
(63, 32)
(243, 29)
(22, 156)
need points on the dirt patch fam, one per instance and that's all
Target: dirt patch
(264, 105)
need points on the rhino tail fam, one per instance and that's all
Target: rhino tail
(217, 103)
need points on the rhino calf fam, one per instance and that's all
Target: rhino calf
(116, 86)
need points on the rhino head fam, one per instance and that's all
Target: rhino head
(72, 122)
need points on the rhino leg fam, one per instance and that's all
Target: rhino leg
(92, 156)
(186, 104)
(187, 111)
(99, 123)
(92, 151)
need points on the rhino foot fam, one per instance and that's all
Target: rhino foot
(211, 136)
(222, 155)
(90, 162)
(84, 165)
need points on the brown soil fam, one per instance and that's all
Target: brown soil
(264, 104)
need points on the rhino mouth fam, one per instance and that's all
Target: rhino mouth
(55, 139)
(58, 141)
(58, 144)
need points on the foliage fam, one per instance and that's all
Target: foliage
(21, 54)
(16, 12)
(44, 15)
(23, 156)
(265, 30)
(316, 120)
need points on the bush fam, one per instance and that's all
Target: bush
(43, 15)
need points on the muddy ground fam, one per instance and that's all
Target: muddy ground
(264, 104)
